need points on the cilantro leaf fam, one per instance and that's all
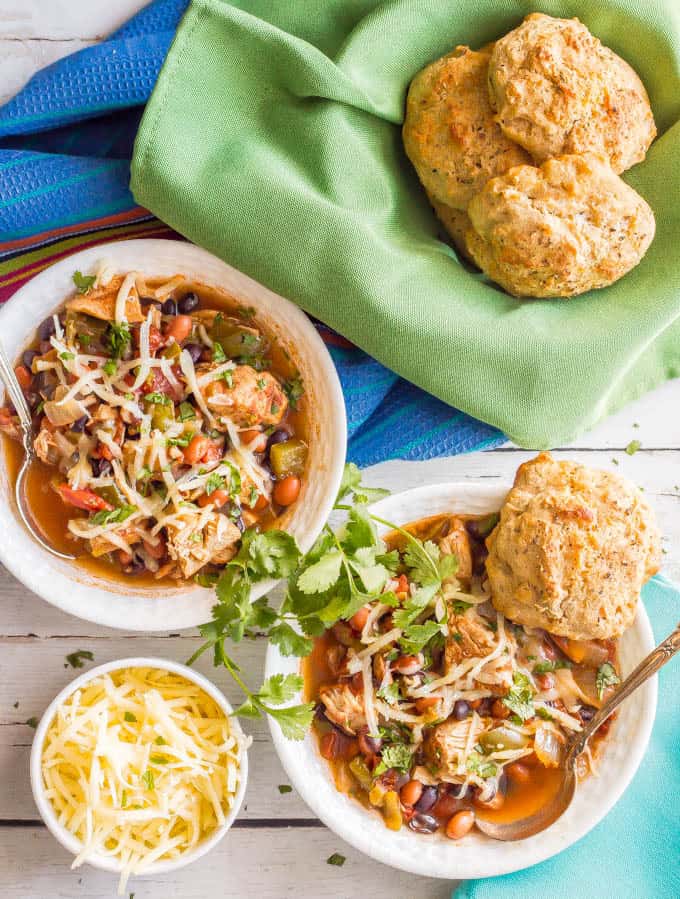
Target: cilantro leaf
(633, 447)
(158, 399)
(421, 559)
(416, 636)
(294, 390)
(547, 666)
(83, 282)
(372, 573)
(336, 859)
(606, 677)
(76, 659)
(270, 554)
(285, 788)
(186, 411)
(294, 720)
(351, 480)
(520, 698)
(322, 574)
(279, 688)
(391, 693)
(118, 337)
(108, 516)
(477, 764)
(396, 755)
(290, 643)
(213, 482)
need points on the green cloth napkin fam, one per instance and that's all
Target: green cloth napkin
(273, 139)
(635, 852)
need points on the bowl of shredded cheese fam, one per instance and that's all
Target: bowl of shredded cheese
(138, 767)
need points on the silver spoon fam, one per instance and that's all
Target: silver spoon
(18, 400)
(544, 817)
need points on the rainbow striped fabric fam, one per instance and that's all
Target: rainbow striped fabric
(65, 144)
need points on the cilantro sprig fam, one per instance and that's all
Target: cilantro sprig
(347, 568)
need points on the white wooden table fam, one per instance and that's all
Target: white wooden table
(277, 848)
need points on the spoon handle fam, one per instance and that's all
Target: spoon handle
(15, 394)
(657, 658)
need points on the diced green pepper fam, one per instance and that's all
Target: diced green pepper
(111, 495)
(503, 738)
(162, 416)
(88, 331)
(172, 351)
(288, 458)
(235, 338)
(359, 769)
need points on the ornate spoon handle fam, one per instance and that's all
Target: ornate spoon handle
(657, 658)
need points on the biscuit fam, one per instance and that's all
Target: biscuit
(557, 89)
(455, 222)
(572, 550)
(450, 134)
(570, 226)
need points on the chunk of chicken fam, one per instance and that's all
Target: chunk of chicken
(101, 545)
(46, 447)
(457, 543)
(100, 302)
(9, 424)
(343, 707)
(469, 637)
(444, 745)
(200, 538)
(254, 397)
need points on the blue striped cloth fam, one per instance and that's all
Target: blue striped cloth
(65, 144)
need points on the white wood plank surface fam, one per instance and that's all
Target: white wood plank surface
(277, 848)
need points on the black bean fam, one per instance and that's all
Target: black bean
(46, 329)
(28, 357)
(195, 350)
(188, 303)
(427, 799)
(587, 713)
(79, 425)
(100, 467)
(169, 307)
(32, 398)
(484, 710)
(480, 528)
(479, 557)
(137, 566)
(461, 709)
(423, 824)
(458, 791)
(279, 436)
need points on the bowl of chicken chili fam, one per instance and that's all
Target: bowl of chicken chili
(176, 405)
(434, 710)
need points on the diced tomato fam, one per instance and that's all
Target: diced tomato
(214, 452)
(157, 551)
(158, 383)
(23, 376)
(103, 452)
(156, 339)
(402, 585)
(83, 499)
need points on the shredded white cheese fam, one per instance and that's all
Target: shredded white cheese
(140, 764)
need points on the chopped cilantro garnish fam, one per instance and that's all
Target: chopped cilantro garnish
(546, 667)
(261, 383)
(633, 447)
(66, 356)
(184, 440)
(214, 482)
(606, 677)
(32, 722)
(275, 408)
(285, 788)
(520, 698)
(158, 399)
(336, 859)
(390, 693)
(396, 755)
(108, 516)
(110, 367)
(477, 764)
(83, 282)
(130, 716)
(544, 713)
(75, 659)
(228, 377)
(84, 339)
(158, 760)
(218, 353)
(186, 411)
(118, 338)
(253, 496)
(294, 390)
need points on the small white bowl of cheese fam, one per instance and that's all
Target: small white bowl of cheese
(139, 767)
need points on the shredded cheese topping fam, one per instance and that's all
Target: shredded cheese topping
(140, 765)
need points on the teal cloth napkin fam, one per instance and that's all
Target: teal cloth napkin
(634, 853)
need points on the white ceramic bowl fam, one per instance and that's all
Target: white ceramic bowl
(127, 605)
(476, 855)
(46, 809)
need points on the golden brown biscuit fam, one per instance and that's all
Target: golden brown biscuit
(558, 90)
(455, 222)
(572, 550)
(450, 134)
(570, 226)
